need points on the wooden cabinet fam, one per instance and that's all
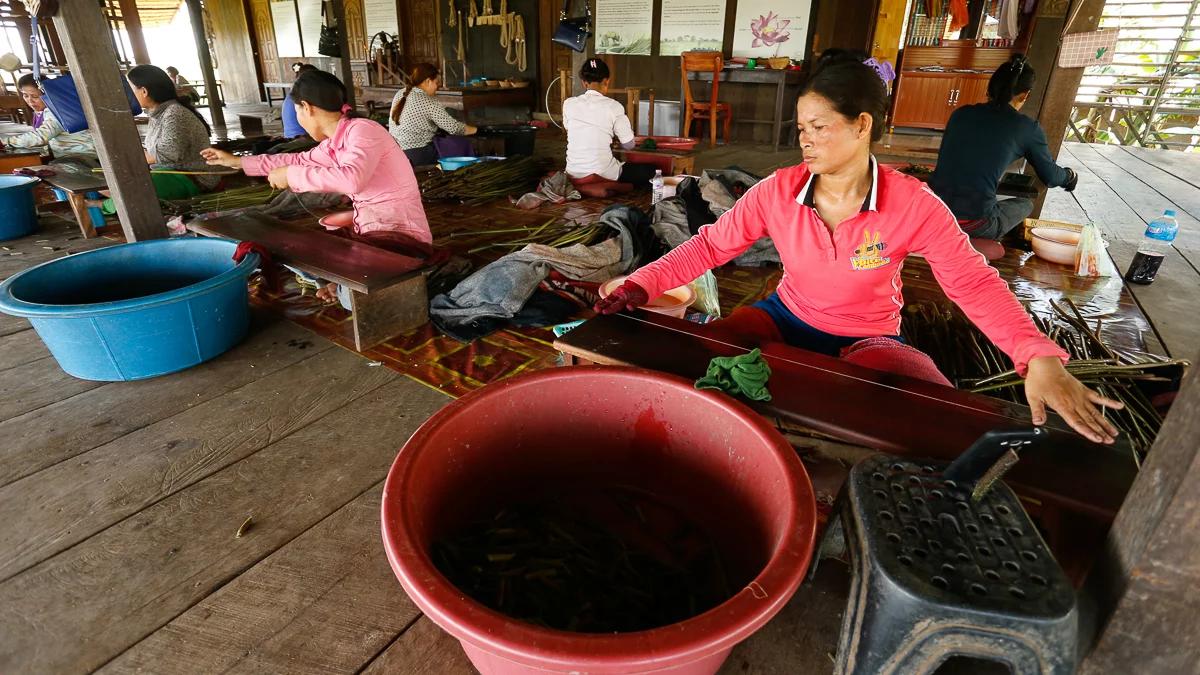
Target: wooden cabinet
(926, 100)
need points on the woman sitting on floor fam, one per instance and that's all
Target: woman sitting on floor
(843, 226)
(174, 138)
(355, 157)
(980, 142)
(48, 132)
(592, 120)
(416, 116)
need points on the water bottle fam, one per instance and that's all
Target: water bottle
(1155, 244)
(656, 187)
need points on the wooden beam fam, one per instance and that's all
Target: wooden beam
(1063, 83)
(1145, 584)
(216, 107)
(133, 28)
(94, 65)
(344, 73)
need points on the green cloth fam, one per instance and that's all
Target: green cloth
(167, 186)
(744, 375)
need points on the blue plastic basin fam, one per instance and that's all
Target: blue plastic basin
(139, 310)
(18, 214)
(455, 163)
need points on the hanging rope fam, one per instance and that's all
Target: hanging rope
(472, 14)
(515, 54)
(453, 20)
(461, 51)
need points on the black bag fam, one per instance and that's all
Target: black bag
(573, 32)
(328, 44)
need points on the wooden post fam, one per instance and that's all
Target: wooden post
(133, 28)
(1063, 83)
(344, 72)
(1145, 583)
(94, 65)
(216, 107)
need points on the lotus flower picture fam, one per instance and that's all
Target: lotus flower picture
(769, 31)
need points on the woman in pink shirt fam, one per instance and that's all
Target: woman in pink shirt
(843, 226)
(356, 157)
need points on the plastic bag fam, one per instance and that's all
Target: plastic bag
(706, 295)
(1091, 259)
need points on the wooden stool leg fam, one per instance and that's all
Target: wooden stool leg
(79, 207)
(650, 115)
(388, 312)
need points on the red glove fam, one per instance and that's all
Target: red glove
(627, 296)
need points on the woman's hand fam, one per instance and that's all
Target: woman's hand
(215, 157)
(469, 130)
(278, 178)
(150, 159)
(1047, 383)
(627, 296)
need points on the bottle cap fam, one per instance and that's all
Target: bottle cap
(1169, 212)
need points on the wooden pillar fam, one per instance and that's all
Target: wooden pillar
(133, 28)
(1063, 83)
(1145, 583)
(93, 62)
(344, 72)
(216, 107)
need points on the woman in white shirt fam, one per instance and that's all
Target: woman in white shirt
(416, 116)
(592, 120)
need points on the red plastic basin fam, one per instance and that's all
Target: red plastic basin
(706, 454)
(669, 142)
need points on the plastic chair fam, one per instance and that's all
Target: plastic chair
(938, 574)
(711, 110)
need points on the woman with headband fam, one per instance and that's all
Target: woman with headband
(355, 157)
(980, 142)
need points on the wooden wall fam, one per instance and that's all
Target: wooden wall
(231, 42)
(485, 56)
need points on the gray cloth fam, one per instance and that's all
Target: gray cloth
(175, 136)
(555, 188)
(1008, 214)
(288, 204)
(502, 288)
(671, 226)
(715, 184)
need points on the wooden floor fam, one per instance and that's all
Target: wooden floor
(120, 502)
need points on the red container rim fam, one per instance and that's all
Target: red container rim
(676, 644)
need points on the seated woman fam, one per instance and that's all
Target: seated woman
(592, 120)
(416, 116)
(355, 157)
(174, 138)
(843, 225)
(980, 142)
(48, 133)
(182, 86)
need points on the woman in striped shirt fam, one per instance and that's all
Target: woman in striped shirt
(417, 116)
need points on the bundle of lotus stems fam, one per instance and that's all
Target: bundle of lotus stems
(483, 181)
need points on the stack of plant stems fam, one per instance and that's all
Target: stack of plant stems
(550, 233)
(970, 360)
(480, 182)
(222, 200)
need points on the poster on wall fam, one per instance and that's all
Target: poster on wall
(766, 28)
(380, 16)
(310, 25)
(287, 31)
(623, 26)
(691, 25)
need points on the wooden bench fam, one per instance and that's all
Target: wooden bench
(387, 290)
(77, 186)
(251, 125)
(672, 162)
(866, 407)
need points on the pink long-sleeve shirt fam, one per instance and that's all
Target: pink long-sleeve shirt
(847, 282)
(362, 161)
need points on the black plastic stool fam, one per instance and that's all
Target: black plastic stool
(936, 575)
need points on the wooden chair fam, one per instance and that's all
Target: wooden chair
(711, 110)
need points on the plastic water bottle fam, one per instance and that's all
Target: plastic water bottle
(656, 187)
(1155, 244)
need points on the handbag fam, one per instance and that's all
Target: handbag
(327, 44)
(60, 94)
(1089, 48)
(573, 32)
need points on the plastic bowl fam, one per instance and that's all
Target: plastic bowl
(672, 303)
(1055, 245)
(455, 163)
(567, 429)
(338, 220)
(668, 142)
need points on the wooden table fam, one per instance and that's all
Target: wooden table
(16, 159)
(783, 80)
(77, 185)
(672, 162)
(464, 99)
(283, 87)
